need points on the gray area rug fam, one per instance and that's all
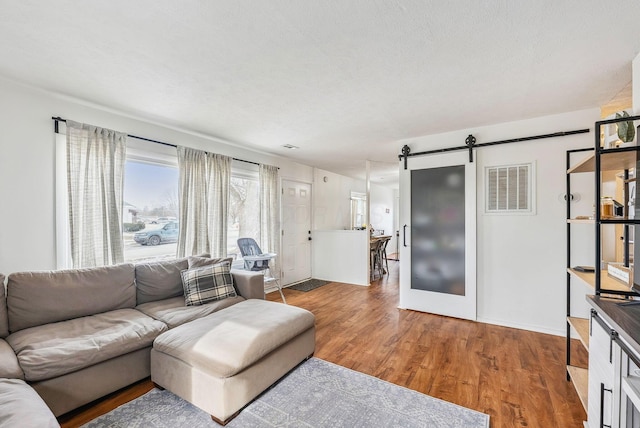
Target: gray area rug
(315, 394)
(308, 285)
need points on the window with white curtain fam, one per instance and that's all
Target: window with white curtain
(151, 203)
(244, 206)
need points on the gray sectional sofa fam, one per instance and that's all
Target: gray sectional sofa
(77, 335)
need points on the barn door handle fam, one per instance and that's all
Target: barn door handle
(404, 235)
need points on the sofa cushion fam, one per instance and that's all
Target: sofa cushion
(9, 367)
(159, 280)
(4, 321)
(197, 261)
(21, 406)
(227, 342)
(207, 284)
(173, 312)
(55, 349)
(37, 298)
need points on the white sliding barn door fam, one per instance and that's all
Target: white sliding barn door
(438, 235)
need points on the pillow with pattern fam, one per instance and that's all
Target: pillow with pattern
(207, 284)
(199, 261)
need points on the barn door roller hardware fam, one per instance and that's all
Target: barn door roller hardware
(470, 144)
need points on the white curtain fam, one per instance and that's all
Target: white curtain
(270, 214)
(95, 173)
(193, 236)
(219, 179)
(204, 201)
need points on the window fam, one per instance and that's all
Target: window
(244, 206)
(150, 202)
(509, 189)
(150, 210)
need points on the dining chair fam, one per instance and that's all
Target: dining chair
(383, 252)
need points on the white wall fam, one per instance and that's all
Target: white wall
(521, 262)
(332, 199)
(341, 256)
(27, 164)
(382, 199)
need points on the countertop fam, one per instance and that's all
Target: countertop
(624, 319)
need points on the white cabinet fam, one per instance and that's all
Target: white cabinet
(604, 377)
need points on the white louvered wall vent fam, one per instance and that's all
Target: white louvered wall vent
(510, 189)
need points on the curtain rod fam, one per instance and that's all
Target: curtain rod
(59, 119)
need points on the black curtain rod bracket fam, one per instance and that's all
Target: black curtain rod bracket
(470, 144)
(59, 119)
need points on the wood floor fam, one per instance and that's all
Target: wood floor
(515, 376)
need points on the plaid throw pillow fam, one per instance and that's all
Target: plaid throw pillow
(208, 283)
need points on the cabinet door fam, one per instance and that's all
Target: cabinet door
(603, 354)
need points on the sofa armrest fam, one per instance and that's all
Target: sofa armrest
(250, 285)
(9, 367)
(21, 406)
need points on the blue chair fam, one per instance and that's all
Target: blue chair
(257, 261)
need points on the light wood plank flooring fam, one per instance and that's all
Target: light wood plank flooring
(515, 376)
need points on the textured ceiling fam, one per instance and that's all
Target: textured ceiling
(341, 79)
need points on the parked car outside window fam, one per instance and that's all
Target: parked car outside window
(159, 234)
(162, 220)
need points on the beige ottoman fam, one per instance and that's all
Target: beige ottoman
(223, 361)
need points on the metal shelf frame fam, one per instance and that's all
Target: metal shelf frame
(616, 159)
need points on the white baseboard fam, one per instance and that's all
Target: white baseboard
(528, 327)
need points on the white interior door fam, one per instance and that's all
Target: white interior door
(438, 235)
(296, 231)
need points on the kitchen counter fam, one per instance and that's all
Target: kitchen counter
(624, 319)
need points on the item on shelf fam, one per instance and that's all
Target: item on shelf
(584, 268)
(606, 207)
(626, 132)
(618, 209)
(619, 272)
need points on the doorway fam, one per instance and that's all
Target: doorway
(296, 231)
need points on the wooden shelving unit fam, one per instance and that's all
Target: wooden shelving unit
(604, 165)
(580, 379)
(581, 221)
(611, 161)
(581, 327)
(606, 281)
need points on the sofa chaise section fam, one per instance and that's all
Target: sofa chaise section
(223, 361)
